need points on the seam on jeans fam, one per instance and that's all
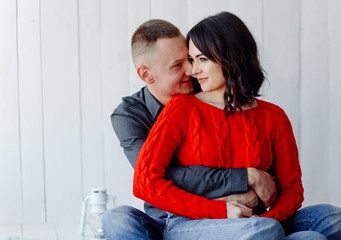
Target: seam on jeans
(189, 229)
(311, 221)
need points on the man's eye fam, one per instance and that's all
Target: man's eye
(177, 65)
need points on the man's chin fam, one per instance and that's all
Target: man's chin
(187, 87)
(188, 90)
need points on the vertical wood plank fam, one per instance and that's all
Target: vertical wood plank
(334, 101)
(173, 11)
(91, 95)
(61, 92)
(314, 103)
(31, 116)
(10, 163)
(281, 58)
(115, 74)
(138, 12)
(199, 9)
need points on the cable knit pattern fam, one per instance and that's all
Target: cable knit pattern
(222, 132)
(251, 136)
(201, 134)
(196, 133)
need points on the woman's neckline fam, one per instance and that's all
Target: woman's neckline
(255, 105)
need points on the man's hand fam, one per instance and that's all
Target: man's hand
(249, 199)
(237, 210)
(263, 184)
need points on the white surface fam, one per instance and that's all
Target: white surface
(31, 114)
(28, 231)
(314, 100)
(334, 21)
(10, 166)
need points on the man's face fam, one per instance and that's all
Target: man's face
(170, 68)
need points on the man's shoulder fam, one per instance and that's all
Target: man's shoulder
(132, 113)
(131, 104)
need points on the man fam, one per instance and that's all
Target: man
(160, 57)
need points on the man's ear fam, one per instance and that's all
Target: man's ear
(145, 74)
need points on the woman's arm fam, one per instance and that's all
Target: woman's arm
(287, 170)
(150, 183)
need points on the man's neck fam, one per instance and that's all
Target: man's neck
(160, 97)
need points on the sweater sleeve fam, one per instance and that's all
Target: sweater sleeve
(287, 171)
(150, 183)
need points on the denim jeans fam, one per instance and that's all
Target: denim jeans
(323, 218)
(256, 228)
(128, 223)
(313, 223)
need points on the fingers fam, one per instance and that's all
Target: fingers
(263, 184)
(238, 210)
(267, 192)
(271, 200)
(245, 211)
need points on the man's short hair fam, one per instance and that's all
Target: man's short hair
(146, 35)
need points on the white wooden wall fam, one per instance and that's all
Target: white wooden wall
(65, 65)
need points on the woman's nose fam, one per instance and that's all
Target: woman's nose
(195, 69)
(188, 68)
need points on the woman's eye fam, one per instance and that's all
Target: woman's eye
(203, 59)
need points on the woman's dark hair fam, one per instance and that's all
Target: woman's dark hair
(225, 39)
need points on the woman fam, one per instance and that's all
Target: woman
(223, 126)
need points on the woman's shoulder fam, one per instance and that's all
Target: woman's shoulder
(183, 101)
(179, 104)
(269, 106)
(182, 97)
(273, 110)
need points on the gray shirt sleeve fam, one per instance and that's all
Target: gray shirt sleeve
(130, 134)
(209, 182)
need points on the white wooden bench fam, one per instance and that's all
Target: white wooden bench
(28, 231)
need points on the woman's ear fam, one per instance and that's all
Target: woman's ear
(145, 74)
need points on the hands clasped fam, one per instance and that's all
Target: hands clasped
(261, 185)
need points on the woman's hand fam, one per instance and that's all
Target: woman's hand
(248, 199)
(237, 210)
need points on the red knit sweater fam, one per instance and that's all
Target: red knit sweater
(201, 134)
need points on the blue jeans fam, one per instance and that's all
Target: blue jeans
(315, 222)
(256, 228)
(324, 219)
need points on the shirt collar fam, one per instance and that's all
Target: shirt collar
(153, 105)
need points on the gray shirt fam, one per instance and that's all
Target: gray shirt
(132, 121)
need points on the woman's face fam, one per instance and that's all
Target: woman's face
(209, 74)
